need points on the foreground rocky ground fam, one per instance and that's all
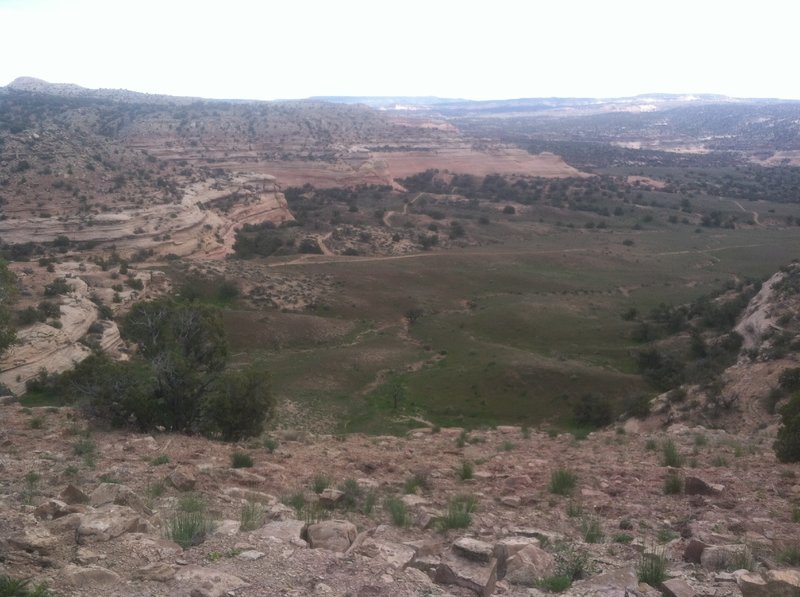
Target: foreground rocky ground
(90, 512)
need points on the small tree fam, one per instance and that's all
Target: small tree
(787, 446)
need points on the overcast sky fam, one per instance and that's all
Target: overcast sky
(476, 49)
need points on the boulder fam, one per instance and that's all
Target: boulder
(780, 582)
(51, 509)
(334, 535)
(616, 583)
(246, 477)
(478, 577)
(182, 478)
(694, 551)
(330, 497)
(514, 483)
(282, 530)
(251, 555)
(258, 497)
(528, 565)
(473, 549)
(90, 576)
(696, 486)
(204, 582)
(677, 587)
(108, 522)
(721, 557)
(34, 539)
(507, 547)
(157, 571)
(398, 556)
(72, 495)
(114, 493)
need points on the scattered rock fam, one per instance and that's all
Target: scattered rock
(529, 565)
(694, 550)
(473, 549)
(34, 539)
(108, 522)
(203, 582)
(395, 554)
(677, 587)
(616, 583)
(182, 478)
(334, 535)
(157, 571)
(246, 477)
(114, 493)
(72, 495)
(239, 493)
(514, 483)
(90, 576)
(283, 530)
(51, 509)
(696, 486)
(251, 555)
(330, 497)
(469, 574)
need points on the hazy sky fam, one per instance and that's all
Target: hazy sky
(470, 48)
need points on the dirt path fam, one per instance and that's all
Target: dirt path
(716, 250)
(389, 214)
(754, 213)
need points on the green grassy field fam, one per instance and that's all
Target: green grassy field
(509, 332)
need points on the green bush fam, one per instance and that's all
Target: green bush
(459, 513)
(673, 484)
(320, 483)
(562, 482)
(465, 471)
(670, 455)
(241, 460)
(592, 411)
(652, 567)
(397, 511)
(18, 587)
(188, 528)
(787, 445)
(251, 516)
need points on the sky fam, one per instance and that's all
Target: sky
(473, 49)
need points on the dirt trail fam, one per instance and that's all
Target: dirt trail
(754, 213)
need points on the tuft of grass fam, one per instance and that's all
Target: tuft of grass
(562, 482)
(591, 530)
(571, 562)
(574, 509)
(109, 478)
(191, 503)
(459, 513)
(700, 440)
(251, 517)
(86, 449)
(652, 567)
(155, 489)
(670, 455)
(796, 513)
(790, 555)
(666, 535)
(188, 528)
(622, 538)
(352, 492)
(320, 483)
(20, 587)
(36, 422)
(369, 503)
(673, 484)
(526, 432)
(461, 440)
(241, 460)
(465, 471)
(419, 480)
(297, 501)
(271, 444)
(650, 445)
(71, 471)
(32, 479)
(720, 461)
(506, 446)
(159, 460)
(397, 511)
(554, 584)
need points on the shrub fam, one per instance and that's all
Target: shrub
(591, 530)
(574, 509)
(670, 455)
(571, 562)
(592, 411)
(271, 444)
(506, 446)
(459, 513)
(398, 511)
(419, 480)
(18, 587)
(188, 528)
(555, 584)
(790, 379)
(320, 483)
(241, 460)
(787, 445)
(251, 516)
(159, 460)
(297, 501)
(562, 482)
(673, 484)
(652, 567)
(351, 492)
(465, 471)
